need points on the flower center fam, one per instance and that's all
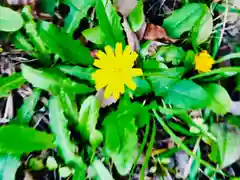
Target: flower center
(117, 70)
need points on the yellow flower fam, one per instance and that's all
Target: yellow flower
(115, 70)
(203, 62)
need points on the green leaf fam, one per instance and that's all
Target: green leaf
(30, 26)
(187, 95)
(79, 72)
(189, 59)
(8, 167)
(15, 139)
(109, 22)
(162, 81)
(183, 19)
(225, 150)
(170, 54)
(48, 6)
(56, 41)
(152, 65)
(233, 120)
(78, 10)
(220, 99)
(234, 69)
(102, 171)
(94, 35)
(179, 128)
(10, 83)
(203, 28)
(121, 137)
(143, 87)
(179, 142)
(184, 116)
(36, 164)
(136, 18)
(10, 20)
(111, 136)
(195, 166)
(148, 153)
(58, 125)
(87, 121)
(21, 42)
(216, 41)
(25, 113)
(69, 106)
(53, 80)
(125, 159)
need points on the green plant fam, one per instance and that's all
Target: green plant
(83, 129)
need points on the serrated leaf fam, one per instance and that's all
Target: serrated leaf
(56, 41)
(21, 42)
(69, 106)
(51, 79)
(220, 99)
(125, 159)
(58, 125)
(187, 95)
(10, 20)
(87, 121)
(120, 129)
(78, 10)
(10, 83)
(15, 139)
(94, 35)
(183, 19)
(163, 81)
(136, 18)
(111, 136)
(109, 22)
(8, 167)
(30, 27)
(26, 111)
(79, 72)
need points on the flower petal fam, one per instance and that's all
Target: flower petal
(101, 55)
(109, 52)
(118, 50)
(130, 84)
(136, 72)
(127, 51)
(108, 92)
(101, 84)
(116, 95)
(98, 63)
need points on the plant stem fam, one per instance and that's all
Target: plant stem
(216, 71)
(228, 57)
(180, 144)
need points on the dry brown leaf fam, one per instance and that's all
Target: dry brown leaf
(125, 7)
(27, 176)
(104, 102)
(234, 109)
(155, 32)
(93, 53)
(131, 36)
(141, 31)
